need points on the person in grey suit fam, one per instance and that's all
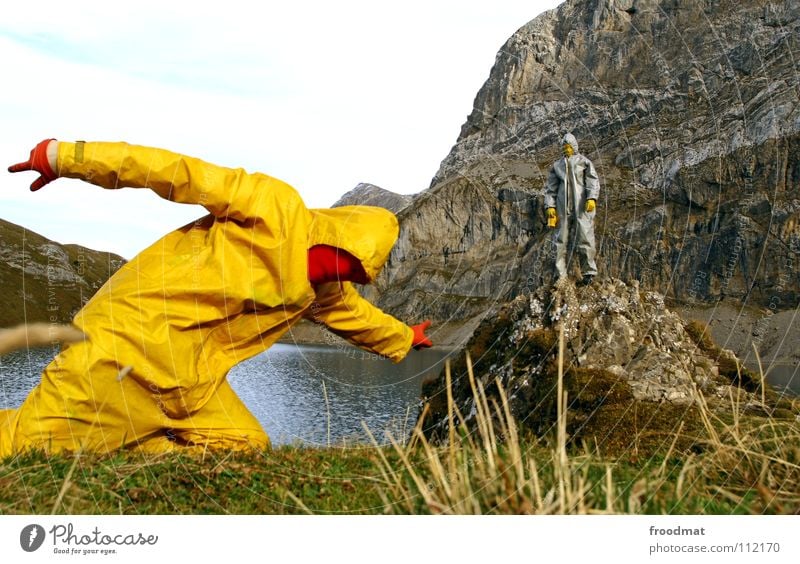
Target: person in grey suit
(570, 199)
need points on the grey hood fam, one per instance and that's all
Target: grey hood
(570, 138)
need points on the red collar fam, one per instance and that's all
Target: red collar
(332, 264)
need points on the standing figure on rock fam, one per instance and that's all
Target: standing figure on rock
(570, 198)
(163, 332)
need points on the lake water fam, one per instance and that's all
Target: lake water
(314, 395)
(311, 395)
(782, 376)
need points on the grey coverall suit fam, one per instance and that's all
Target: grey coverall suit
(571, 182)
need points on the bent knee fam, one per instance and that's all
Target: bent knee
(250, 439)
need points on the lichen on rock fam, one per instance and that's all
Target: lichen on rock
(633, 372)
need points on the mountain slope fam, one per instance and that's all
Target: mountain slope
(45, 281)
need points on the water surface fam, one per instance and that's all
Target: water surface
(311, 395)
(316, 395)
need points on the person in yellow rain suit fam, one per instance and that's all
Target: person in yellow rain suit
(163, 332)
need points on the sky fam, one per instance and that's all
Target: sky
(323, 95)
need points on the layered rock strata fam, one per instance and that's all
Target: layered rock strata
(688, 109)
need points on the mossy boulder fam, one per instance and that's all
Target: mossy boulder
(633, 372)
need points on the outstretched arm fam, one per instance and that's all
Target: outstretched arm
(346, 313)
(225, 192)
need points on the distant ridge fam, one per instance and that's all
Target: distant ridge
(370, 195)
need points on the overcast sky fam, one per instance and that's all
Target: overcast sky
(322, 95)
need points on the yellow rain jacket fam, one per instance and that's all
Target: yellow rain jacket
(194, 304)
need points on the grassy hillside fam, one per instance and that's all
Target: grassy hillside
(42, 280)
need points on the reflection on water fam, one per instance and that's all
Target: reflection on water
(313, 395)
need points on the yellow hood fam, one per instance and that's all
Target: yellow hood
(368, 233)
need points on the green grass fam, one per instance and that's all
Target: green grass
(284, 480)
(740, 467)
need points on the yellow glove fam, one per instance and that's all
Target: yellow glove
(590, 205)
(552, 217)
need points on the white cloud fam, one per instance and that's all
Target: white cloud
(321, 94)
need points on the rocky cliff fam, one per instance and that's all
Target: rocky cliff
(45, 281)
(689, 110)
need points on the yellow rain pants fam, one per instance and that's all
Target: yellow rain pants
(164, 331)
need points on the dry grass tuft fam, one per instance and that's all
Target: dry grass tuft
(740, 465)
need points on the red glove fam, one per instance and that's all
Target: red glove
(38, 162)
(420, 340)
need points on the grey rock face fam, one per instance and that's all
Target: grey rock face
(688, 110)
